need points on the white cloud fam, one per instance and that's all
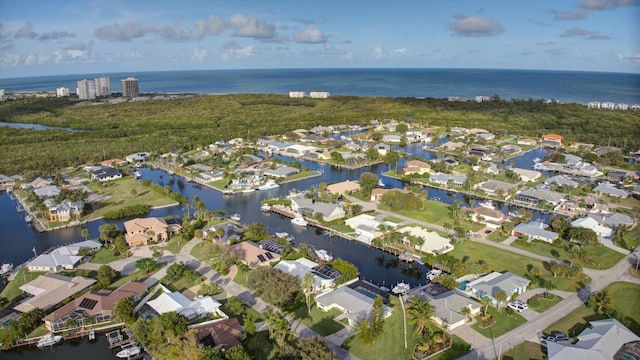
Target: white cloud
(233, 50)
(398, 52)
(310, 35)
(26, 32)
(606, 4)
(199, 54)
(213, 25)
(578, 32)
(378, 51)
(475, 26)
(629, 57)
(248, 26)
(115, 32)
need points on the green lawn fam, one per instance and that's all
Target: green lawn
(197, 253)
(258, 345)
(432, 212)
(625, 298)
(182, 284)
(136, 276)
(119, 192)
(497, 236)
(545, 303)
(241, 276)
(174, 245)
(248, 310)
(505, 321)
(526, 351)
(105, 256)
(319, 321)
(602, 256)
(631, 238)
(301, 175)
(12, 291)
(342, 227)
(502, 260)
(390, 345)
(219, 184)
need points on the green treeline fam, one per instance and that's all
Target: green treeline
(115, 130)
(126, 211)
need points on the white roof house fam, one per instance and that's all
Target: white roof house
(328, 211)
(447, 304)
(367, 227)
(591, 223)
(191, 309)
(433, 242)
(611, 190)
(488, 285)
(49, 289)
(301, 267)
(561, 180)
(527, 175)
(352, 303)
(62, 258)
(605, 339)
(282, 172)
(535, 231)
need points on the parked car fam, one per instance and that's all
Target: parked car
(560, 336)
(517, 306)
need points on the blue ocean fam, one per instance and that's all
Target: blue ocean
(564, 86)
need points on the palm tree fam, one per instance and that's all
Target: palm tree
(271, 317)
(85, 233)
(307, 287)
(500, 296)
(485, 301)
(466, 311)
(600, 301)
(281, 330)
(419, 313)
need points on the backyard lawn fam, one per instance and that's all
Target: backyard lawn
(502, 260)
(625, 299)
(105, 256)
(136, 276)
(120, 194)
(602, 256)
(505, 321)
(174, 245)
(631, 239)
(319, 321)
(219, 184)
(433, 212)
(12, 291)
(390, 345)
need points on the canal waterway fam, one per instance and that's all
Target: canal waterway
(37, 127)
(19, 240)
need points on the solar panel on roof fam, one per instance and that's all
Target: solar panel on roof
(261, 258)
(88, 303)
(269, 256)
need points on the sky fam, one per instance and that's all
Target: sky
(58, 37)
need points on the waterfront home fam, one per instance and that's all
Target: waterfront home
(212, 175)
(47, 191)
(452, 146)
(37, 183)
(324, 277)
(487, 136)
(414, 135)
(611, 220)
(106, 174)
(591, 223)
(6, 181)
(223, 233)
(447, 304)
(611, 190)
(62, 258)
(98, 305)
(416, 167)
(167, 301)
(433, 243)
(492, 218)
(551, 140)
(526, 141)
(114, 162)
(488, 285)
(66, 211)
(560, 181)
(297, 150)
(225, 333)
(140, 231)
(377, 193)
(352, 303)
(391, 138)
(602, 340)
(510, 149)
(367, 227)
(343, 187)
(138, 157)
(495, 187)
(527, 175)
(535, 231)
(282, 172)
(458, 131)
(328, 212)
(446, 179)
(252, 255)
(197, 168)
(382, 149)
(535, 196)
(48, 290)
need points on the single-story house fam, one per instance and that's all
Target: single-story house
(62, 258)
(535, 196)
(611, 190)
(382, 149)
(114, 162)
(488, 285)
(447, 304)
(212, 175)
(535, 231)
(225, 333)
(252, 255)
(526, 142)
(561, 180)
(96, 304)
(199, 168)
(494, 187)
(355, 305)
(200, 306)
(49, 289)
(492, 218)
(343, 187)
(142, 230)
(282, 172)
(377, 193)
(458, 131)
(367, 227)
(433, 243)
(67, 210)
(611, 220)
(510, 149)
(138, 157)
(328, 212)
(603, 340)
(527, 175)
(416, 167)
(301, 267)
(591, 223)
(298, 150)
(38, 183)
(6, 181)
(223, 233)
(485, 136)
(47, 191)
(391, 138)
(445, 179)
(106, 174)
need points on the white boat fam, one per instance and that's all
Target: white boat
(271, 184)
(323, 255)
(49, 340)
(137, 175)
(433, 274)
(299, 220)
(487, 204)
(537, 160)
(128, 352)
(235, 217)
(381, 184)
(401, 288)
(265, 207)
(248, 190)
(28, 219)
(6, 268)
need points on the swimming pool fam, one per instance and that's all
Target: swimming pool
(463, 285)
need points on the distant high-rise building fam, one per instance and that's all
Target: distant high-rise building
(63, 91)
(103, 86)
(130, 87)
(86, 89)
(1, 94)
